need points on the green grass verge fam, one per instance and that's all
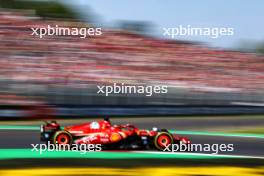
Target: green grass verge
(33, 154)
(256, 130)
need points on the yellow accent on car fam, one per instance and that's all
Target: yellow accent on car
(115, 137)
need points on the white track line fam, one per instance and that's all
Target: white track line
(200, 154)
(247, 103)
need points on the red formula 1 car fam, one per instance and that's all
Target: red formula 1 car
(109, 136)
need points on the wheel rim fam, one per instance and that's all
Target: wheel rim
(163, 140)
(63, 139)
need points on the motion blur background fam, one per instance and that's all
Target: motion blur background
(63, 71)
(57, 77)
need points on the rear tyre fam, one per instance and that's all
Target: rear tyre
(162, 140)
(62, 138)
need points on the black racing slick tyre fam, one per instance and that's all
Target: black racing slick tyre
(62, 138)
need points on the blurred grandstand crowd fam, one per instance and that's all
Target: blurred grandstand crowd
(119, 56)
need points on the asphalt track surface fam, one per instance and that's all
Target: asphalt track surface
(246, 146)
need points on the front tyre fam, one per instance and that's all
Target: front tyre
(62, 138)
(162, 140)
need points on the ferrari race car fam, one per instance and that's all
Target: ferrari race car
(110, 136)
